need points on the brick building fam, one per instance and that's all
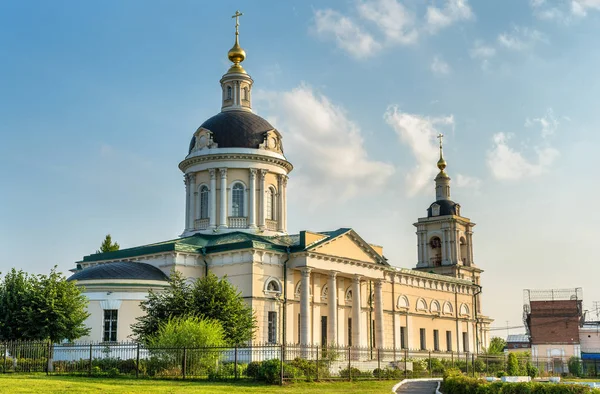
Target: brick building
(552, 319)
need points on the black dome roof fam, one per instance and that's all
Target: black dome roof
(447, 207)
(236, 129)
(120, 270)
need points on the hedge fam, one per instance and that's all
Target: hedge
(465, 385)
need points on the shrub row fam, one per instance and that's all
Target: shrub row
(465, 385)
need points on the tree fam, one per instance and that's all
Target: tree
(187, 332)
(208, 297)
(512, 368)
(497, 346)
(108, 245)
(41, 307)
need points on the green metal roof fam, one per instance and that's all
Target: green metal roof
(212, 243)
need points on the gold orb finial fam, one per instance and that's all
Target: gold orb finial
(236, 54)
(441, 164)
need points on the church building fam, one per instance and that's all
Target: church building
(312, 287)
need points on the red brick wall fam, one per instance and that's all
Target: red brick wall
(555, 321)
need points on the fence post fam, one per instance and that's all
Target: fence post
(406, 363)
(4, 362)
(49, 363)
(90, 366)
(466, 363)
(349, 365)
(430, 371)
(184, 362)
(280, 366)
(317, 365)
(378, 365)
(235, 360)
(473, 363)
(137, 362)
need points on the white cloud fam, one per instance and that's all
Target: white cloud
(377, 24)
(508, 163)
(327, 147)
(419, 134)
(468, 182)
(520, 38)
(348, 35)
(439, 66)
(394, 21)
(548, 123)
(453, 11)
(482, 52)
(563, 11)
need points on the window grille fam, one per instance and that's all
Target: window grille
(237, 197)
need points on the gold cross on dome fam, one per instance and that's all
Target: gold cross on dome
(237, 20)
(440, 137)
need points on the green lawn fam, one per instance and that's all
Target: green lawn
(69, 384)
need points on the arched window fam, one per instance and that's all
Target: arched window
(403, 302)
(203, 202)
(463, 250)
(237, 200)
(448, 310)
(435, 307)
(421, 305)
(245, 93)
(435, 251)
(270, 204)
(273, 287)
(348, 296)
(464, 310)
(228, 92)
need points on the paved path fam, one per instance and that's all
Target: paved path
(418, 388)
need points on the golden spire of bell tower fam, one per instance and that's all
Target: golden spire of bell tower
(441, 164)
(236, 54)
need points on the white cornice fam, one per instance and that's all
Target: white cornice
(222, 154)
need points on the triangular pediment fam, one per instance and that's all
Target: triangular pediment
(348, 245)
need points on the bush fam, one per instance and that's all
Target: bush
(513, 368)
(270, 371)
(355, 373)
(465, 385)
(113, 372)
(575, 366)
(452, 372)
(500, 374)
(253, 369)
(388, 373)
(532, 371)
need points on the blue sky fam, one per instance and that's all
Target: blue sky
(98, 102)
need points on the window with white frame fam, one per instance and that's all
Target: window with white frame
(203, 202)
(237, 200)
(273, 287)
(272, 327)
(110, 325)
(228, 92)
(270, 204)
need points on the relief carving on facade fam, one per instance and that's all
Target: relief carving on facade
(272, 141)
(204, 139)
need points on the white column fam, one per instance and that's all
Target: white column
(379, 339)
(193, 195)
(332, 305)
(357, 339)
(251, 200)
(444, 253)
(261, 199)
(223, 220)
(212, 221)
(186, 180)
(280, 203)
(470, 247)
(305, 307)
(284, 203)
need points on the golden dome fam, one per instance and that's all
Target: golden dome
(441, 164)
(236, 54)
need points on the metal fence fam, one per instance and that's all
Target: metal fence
(256, 361)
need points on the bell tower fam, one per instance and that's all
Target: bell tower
(445, 237)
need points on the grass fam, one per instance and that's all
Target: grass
(39, 383)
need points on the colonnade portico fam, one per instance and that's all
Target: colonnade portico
(252, 215)
(357, 338)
